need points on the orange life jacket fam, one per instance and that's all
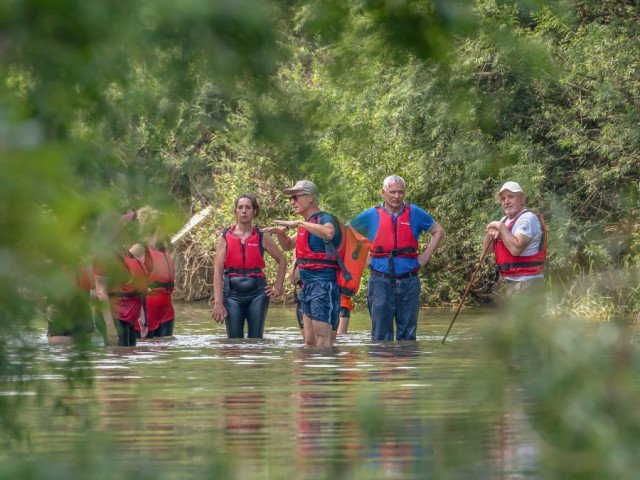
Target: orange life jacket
(356, 250)
(127, 296)
(157, 302)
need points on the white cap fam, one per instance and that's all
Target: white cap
(513, 187)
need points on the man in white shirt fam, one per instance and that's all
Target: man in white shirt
(519, 241)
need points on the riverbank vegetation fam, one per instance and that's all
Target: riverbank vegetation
(496, 91)
(193, 107)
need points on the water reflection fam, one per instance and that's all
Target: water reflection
(509, 453)
(242, 403)
(400, 440)
(272, 408)
(326, 439)
(244, 424)
(395, 352)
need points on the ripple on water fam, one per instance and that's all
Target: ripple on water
(271, 403)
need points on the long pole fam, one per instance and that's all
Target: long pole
(464, 295)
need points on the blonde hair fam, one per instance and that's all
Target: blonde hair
(149, 218)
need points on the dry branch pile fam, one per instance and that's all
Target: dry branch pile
(194, 272)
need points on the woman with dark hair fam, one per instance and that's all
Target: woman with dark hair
(240, 288)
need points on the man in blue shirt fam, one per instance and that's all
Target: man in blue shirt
(394, 286)
(317, 234)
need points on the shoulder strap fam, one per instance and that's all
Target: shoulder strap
(332, 250)
(315, 216)
(148, 257)
(504, 219)
(260, 237)
(543, 229)
(133, 257)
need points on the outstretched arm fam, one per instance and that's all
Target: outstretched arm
(286, 242)
(326, 231)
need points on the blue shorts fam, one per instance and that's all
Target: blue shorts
(320, 300)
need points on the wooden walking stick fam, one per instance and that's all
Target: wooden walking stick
(464, 295)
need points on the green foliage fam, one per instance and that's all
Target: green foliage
(198, 103)
(106, 107)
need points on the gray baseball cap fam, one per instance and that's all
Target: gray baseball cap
(302, 186)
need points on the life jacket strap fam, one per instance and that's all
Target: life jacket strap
(323, 261)
(392, 254)
(509, 266)
(167, 285)
(242, 271)
(412, 273)
(125, 294)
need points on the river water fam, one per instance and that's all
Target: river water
(201, 406)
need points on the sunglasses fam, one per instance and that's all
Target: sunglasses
(297, 196)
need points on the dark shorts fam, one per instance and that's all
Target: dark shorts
(127, 334)
(320, 300)
(165, 329)
(345, 312)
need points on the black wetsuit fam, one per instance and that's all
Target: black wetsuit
(245, 299)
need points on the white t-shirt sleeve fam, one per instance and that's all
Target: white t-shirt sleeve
(525, 225)
(529, 225)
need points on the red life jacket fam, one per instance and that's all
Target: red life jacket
(127, 296)
(158, 304)
(158, 309)
(394, 238)
(311, 260)
(244, 258)
(519, 266)
(161, 270)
